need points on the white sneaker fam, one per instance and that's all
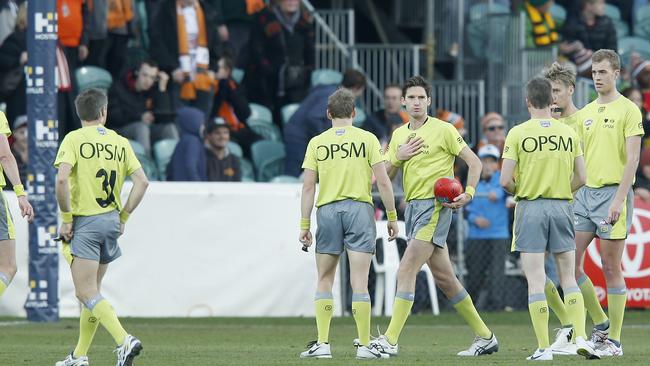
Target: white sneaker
(370, 353)
(562, 344)
(128, 351)
(608, 348)
(381, 343)
(72, 361)
(481, 346)
(541, 355)
(598, 337)
(317, 350)
(586, 349)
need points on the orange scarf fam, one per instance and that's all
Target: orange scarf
(253, 6)
(202, 80)
(227, 112)
(120, 12)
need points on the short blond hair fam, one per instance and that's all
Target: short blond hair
(609, 55)
(341, 103)
(561, 73)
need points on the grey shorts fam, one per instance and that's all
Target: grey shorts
(95, 237)
(591, 206)
(345, 224)
(427, 220)
(543, 225)
(7, 230)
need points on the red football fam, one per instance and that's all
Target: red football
(446, 189)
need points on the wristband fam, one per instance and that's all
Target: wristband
(66, 217)
(124, 216)
(19, 189)
(470, 191)
(305, 224)
(392, 215)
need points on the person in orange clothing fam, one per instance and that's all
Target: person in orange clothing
(109, 33)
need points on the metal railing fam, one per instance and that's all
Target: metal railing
(334, 36)
(466, 98)
(383, 65)
(582, 93)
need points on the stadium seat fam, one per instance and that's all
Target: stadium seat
(93, 77)
(238, 75)
(627, 45)
(247, 171)
(260, 112)
(479, 11)
(558, 13)
(288, 111)
(268, 159)
(622, 30)
(285, 179)
(148, 165)
(137, 147)
(265, 129)
(325, 77)
(163, 151)
(613, 11)
(359, 118)
(235, 149)
(386, 270)
(642, 22)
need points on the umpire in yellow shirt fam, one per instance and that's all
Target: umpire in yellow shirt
(611, 128)
(93, 162)
(343, 159)
(545, 156)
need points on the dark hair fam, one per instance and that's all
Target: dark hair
(353, 79)
(539, 92)
(89, 104)
(149, 62)
(341, 103)
(416, 81)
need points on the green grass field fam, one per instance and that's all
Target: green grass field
(278, 341)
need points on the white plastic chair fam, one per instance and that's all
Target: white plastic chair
(386, 273)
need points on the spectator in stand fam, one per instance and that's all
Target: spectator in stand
(381, 122)
(238, 18)
(488, 239)
(113, 20)
(186, 44)
(311, 119)
(140, 107)
(96, 29)
(541, 30)
(591, 28)
(222, 166)
(281, 55)
(634, 94)
(19, 147)
(188, 163)
(13, 57)
(73, 17)
(231, 105)
(8, 14)
(494, 130)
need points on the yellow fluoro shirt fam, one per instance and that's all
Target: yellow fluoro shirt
(101, 160)
(343, 158)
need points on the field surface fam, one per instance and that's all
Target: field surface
(426, 340)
